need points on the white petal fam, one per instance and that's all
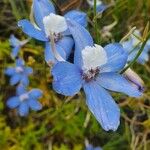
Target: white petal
(54, 24)
(93, 57)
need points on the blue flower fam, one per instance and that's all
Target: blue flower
(16, 45)
(133, 45)
(51, 27)
(101, 7)
(96, 70)
(19, 73)
(90, 147)
(25, 100)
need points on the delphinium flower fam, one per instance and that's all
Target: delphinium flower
(19, 73)
(16, 45)
(132, 46)
(96, 70)
(25, 100)
(91, 147)
(100, 5)
(52, 29)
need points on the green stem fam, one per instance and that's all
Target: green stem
(137, 56)
(95, 23)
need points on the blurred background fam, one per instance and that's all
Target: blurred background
(65, 122)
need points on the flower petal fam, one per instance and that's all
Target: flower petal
(78, 16)
(117, 83)
(23, 108)
(67, 44)
(31, 31)
(49, 56)
(13, 102)
(42, 8)
(34, 104)
(117, 58)
(10, 71)
(102, 106)
(15, 79)
(14, 41)
(21, 89)
(35, 93)
(19, 62)
(28, 70)
(15, 51)
(82, 39)
(101, 8)
(25, 80)
(67, 78)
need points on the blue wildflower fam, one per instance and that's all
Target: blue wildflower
(133, 45)
(90, 147)
(25, 100)
(16, 45)
(95, 69)
(19, 73)
(52, 28)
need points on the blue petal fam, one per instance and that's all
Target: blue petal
(42, 8)
(49, 56)
(117, 58)
(14, 41)
(21, 89)
(15, 79)
(102, 106)
(15, 51)
(10, 71)
(19, 62)
(24, 80)
(34, 105)
(127, 45)
(35, 93)
(67, 44)
(13, 102)
(82, 39)
(31, 31)
(117, 83)
(101, 8)
(78, 16)
(28, 70)
(67, 78)
(23, 108)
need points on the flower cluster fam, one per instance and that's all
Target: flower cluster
(94, 68)
(19, 76)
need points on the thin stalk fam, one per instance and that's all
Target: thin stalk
(95, 23)
(137, 56)
(52, 44)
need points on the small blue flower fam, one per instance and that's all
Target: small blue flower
(132, 46)
(16, 45)
(19, 73)
(96, 70)
(49, 25)
(25, 100)
(90, 147)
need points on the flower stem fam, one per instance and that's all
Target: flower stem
(95, 22)
(138, 54)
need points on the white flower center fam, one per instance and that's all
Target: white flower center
(54, 24)
(91, 2)
(19, 69)
(23, 97)
(93, 57)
